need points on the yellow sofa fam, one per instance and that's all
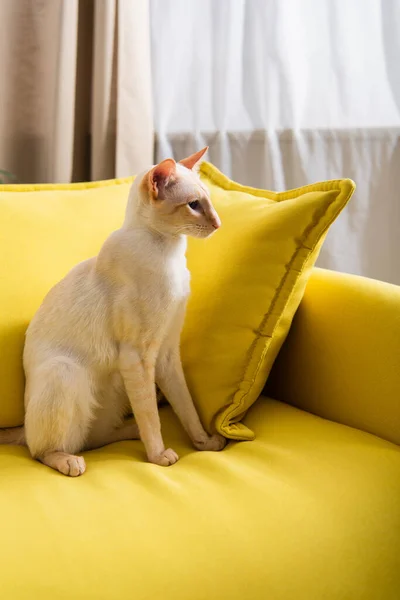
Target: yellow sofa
(309, 510)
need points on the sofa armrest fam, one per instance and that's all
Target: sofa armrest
(341, 359)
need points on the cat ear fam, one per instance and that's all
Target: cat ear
(162, 175)
(191, 161)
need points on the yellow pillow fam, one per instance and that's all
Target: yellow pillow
(44, 231)
(247, 280)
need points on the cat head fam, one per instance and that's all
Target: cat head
(171, 199)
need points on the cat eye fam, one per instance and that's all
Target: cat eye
(195, 205)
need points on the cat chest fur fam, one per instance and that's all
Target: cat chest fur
(174, 278)
(147, 304)
(173, 287)
(177, 281)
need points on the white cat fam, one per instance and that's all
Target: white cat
(111, 329)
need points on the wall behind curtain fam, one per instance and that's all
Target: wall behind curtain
(287, 93)
(75, 89)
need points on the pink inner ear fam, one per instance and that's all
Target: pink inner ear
(162, 174)
(192, 160)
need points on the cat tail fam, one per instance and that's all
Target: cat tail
(13, 435)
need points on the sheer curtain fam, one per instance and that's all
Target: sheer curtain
(286, 93)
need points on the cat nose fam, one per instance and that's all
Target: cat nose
(216, 221)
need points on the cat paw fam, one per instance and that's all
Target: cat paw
(72, 465)
(211, 442)
(166, 458)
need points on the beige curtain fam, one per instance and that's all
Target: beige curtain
(75, 89)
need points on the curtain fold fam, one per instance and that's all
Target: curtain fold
(104, 115)
(135, 139)
(62, 142)
(75, 89)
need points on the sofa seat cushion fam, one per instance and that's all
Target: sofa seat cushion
(309, 510)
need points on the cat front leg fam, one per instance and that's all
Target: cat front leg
(138, 371)
(171, 380)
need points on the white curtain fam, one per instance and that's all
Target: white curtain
(285, 93)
